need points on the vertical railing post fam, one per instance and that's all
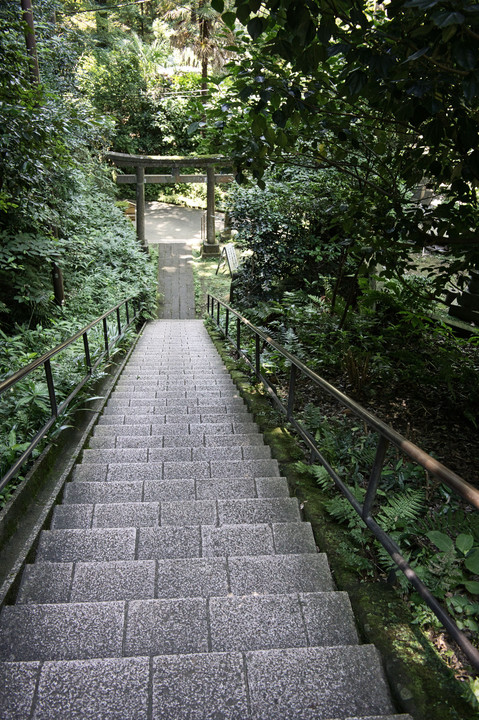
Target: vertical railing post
(140, 205)
(291, 391)
(218, 313)
(208, 304)
(105, 337)
(118, 320)
(227, 322)
(51, 387)
(87, 353)
(238, 334)
(127, 313)
(257, 355)
(375, 476)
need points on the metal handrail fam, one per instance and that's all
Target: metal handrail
(58, 409)
(387, 435)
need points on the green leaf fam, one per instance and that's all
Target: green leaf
(444, 19)
(441, 540)
(464, 543)
(193, 128)
(255, 27)
(472, 562)
(229, 19)
(472, 586)
(218, 5)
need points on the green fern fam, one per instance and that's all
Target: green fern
(402, 509)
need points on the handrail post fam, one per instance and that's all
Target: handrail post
(127, 313)
(208, 304)
(87, 353)
(291, 392)
(375, 477)
(218, 313)
(51, 387)
(238, 334)
(118, 320)
(227, 322)
(257, 355)
(105, 336)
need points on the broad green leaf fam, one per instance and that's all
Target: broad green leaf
(464, 543)
(255, 27)
(472, 586)
(444, 19)
(229, 19)
(218, 5)
(472, 562)
(441, 540)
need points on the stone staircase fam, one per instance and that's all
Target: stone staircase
(177, 580)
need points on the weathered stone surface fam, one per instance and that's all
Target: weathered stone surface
(17, 688)
(169, 542)
(98, 544)
(62, 631)
(279, 574)
(46, 582)
(164, 627)
(190, 687)
(191, 577)
(112, 689)
(308, 683)
(102, 582)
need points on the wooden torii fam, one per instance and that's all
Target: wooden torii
(140, 162)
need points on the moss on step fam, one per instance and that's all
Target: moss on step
(420, 682)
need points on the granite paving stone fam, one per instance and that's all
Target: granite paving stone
(18, 682)
(261, 510)
(191, 577)
(174, 490)
(221, 488)
(145, 514)
(329, 618)
(96, 544)
(272, 487)
(136, 472)
(110, 689)
(293, 538)
(237, 540)
(186, 470)
(163, 627)
(72, 516)
(61, 631)
(279, 574)
(307, 683)
(189, 512)
(169, 542)
(45, 582)
(125, 580)
(103, 492)
(252, 623)
(200, 687)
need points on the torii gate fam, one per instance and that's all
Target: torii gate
(140, 162)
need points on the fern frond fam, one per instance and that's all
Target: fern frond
(402, 509)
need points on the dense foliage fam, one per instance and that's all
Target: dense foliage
(386, 95)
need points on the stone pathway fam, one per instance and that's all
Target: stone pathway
(175, 282)
(177, 580)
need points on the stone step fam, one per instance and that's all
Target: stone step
(292, 684)
(335, 683)
(178, 512)
(81, 630)
(174, 541)
(48, 582)
(155, 425)
(195, 434)
(171, 403)
(191, 441)
(150, 449)
(174, 470)
(189, 413)
(135, 491)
